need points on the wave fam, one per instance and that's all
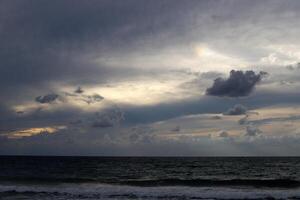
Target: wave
(46, 180)
(103, 191)
(279, 183)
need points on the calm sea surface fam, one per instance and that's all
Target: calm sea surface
(149, 178)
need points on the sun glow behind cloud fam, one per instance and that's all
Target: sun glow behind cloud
(33, 131)
(196, 57)
(147, 91)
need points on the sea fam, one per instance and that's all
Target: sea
(182, 178)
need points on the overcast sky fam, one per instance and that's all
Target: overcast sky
(142, 78)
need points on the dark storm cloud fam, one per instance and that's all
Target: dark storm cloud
(52, 42)
(238, 84)
(236, 110)
(44, 42)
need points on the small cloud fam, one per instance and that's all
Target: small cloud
(286, 82)
(89, 99)
(217, 117)
(79, 90)
(49, 98)
(243, 120)
(223, 134)
(236, 110)
(176, 129)
(290, 67)
(76, 122)
(108, 118)
(68, 94)
(142, 134)
(79, 96)
(97, 97)
(20, 112)
(293, 67)
(238, 84)
(252, 131)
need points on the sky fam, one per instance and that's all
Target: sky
(150, 78)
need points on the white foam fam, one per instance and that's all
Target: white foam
(115, 192)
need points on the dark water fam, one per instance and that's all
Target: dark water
(149, 178)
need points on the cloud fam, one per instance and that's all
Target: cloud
(79, 90)
(275, 119)
(49, 98)
(252, 131)
(238, 84)
(236, 110)
(20, 112)
(223, 134)
(79, 96)
(146, 142)
(293, 67)
(42, 52)
(142, 134)
(15, 134)
(176, 129)
(210, 75)
(244, 120)
(76, 95)
(89, 99)
(216, 117)
(108, 118)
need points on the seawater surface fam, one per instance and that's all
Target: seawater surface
(25, 177)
